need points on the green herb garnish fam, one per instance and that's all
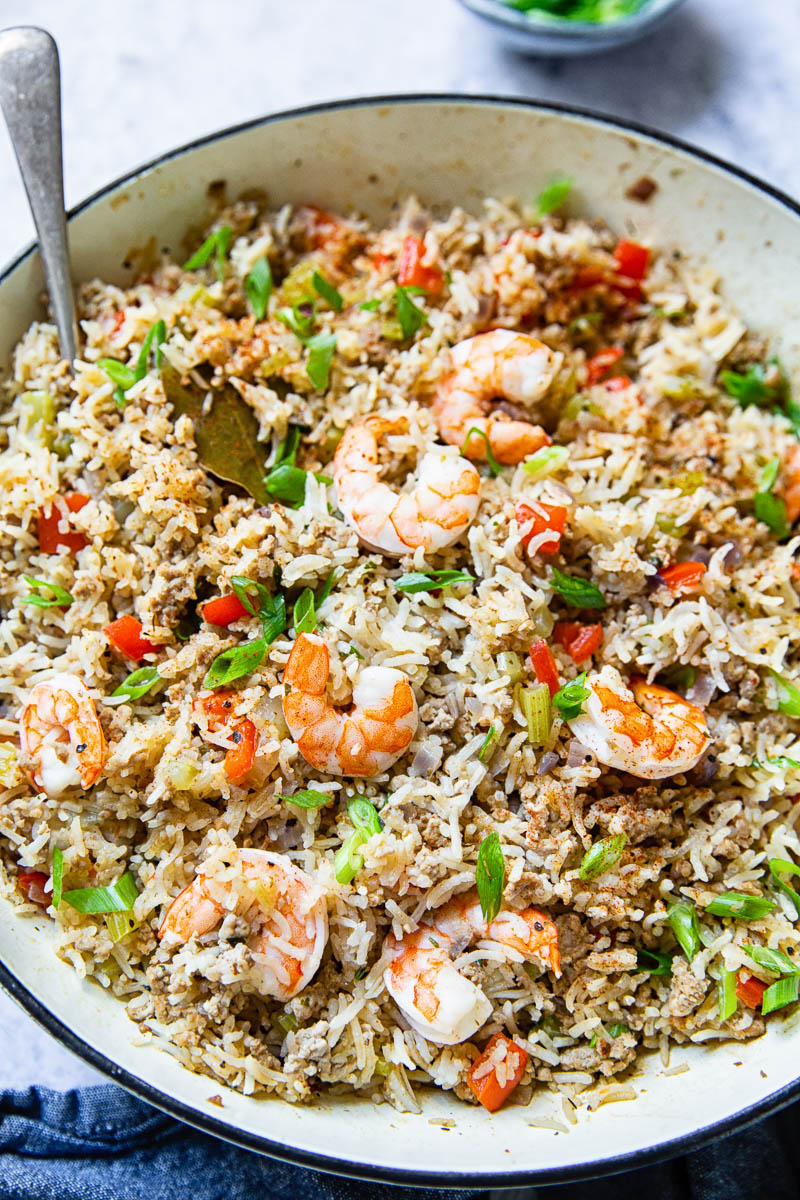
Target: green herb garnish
(788, 695)
(307, 799)
(553, 196)
(781, 866)
(726, 994)
(602, 856)
(348, 861)
(682, 916)
(327, 291)
(138, 683)
(653, 961)
(270, 610)
(328, 586)
(579, 593)
(740, 905)
(304, 617)
(569, 700)
(430, 581)
(778, 995)
(216, 244)
(495, 468)
(546, 461)
(57, 875)
(490, 876)
(487, 746)
(58, 598)
(410, 318)
(117, 897)
(768, 507)
(235, 662)
(258, 286)
(772, 960)
(321, 349)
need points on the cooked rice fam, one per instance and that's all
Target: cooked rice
(659, 471)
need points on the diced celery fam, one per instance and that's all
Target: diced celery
(38, 411)
(181, 774)
(510, 664)
(538, 712)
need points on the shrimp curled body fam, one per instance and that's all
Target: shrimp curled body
(643, 729)
(60, 733)
(433, 515)
(364, 741)
(285, 907)
(425, 983)
(500, 363)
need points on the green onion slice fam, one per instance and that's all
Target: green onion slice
(117, 897)
(58, 598)
(781, 866)
(546, 461)
(726, 994)
(495, 468)
(617, 1029)
(772, 960)
(138, 683)
(321, 349)
(235, 662)
(740, 905)
(304, 618)
(490, 876)
(327, 291)
(307, 799)
(216, 244)
(430, 581)
(682, 916)
(781, 993)
(487, 747)
(569, 699)
(364, 815)
(788, 695)
(328, 586)
(553, 196)
(347, 862)
(653, 961)
(57, 875)
(410, 317)
(156, 336)
(579, 593)
(602, 856)
(258, 286)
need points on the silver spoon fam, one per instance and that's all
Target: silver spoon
(30, 96)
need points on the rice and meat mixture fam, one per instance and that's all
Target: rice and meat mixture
(399, 633)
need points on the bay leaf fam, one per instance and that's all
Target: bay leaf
(226, 436)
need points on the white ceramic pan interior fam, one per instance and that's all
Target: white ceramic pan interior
(364, 155)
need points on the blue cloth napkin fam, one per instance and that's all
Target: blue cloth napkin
(99, 1143)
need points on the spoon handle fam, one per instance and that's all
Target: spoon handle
(30, 96)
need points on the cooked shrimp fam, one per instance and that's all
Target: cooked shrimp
(492, 365)
(789, 487)
(364, 740)
(60, 732)
(285, 907)
(422, 979)
(433, 515)
(643, 729)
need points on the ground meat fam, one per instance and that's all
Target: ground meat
(308, 1051)
(641, 815)
(607, 961)
(606, 1057)
(686, 991)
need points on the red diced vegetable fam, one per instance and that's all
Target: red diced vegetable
(119, 321)
(494, 1075)
(579, 641)
(617, 383)
(601, 362)
(31, 884)
(544, 665)
(413, 273)
(750, 990)
(239, 759)
(632, 259)
(682, 577)
(224, 610)
(542, 518)
(125, 635)
(51, 538)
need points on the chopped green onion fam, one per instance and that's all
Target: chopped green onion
(235, 662)
(156, 336)
(769, 476)
(299, 318)
(321, 348)
(584, 323)
(119, 374)
(769, 508)
(781, 866)
(781, 993)
(59, 598)
(490, 876)
(304, 618)
(569, 699)
(307, 799)
(287, 483)
(602, 856)
(117, 897)
(772, 960)
(287, 1022)
(364, 815)
(137, 683)
(788, 695)
(120, 924)
(487, 748)
(553, 196)
(217, 243)
(369, 305)
(327, 291)
(781, 761)
(740, 905)
(579, 593)
(57, 875)
(494, 466)
(348, 861)
(430, 581)
(645, 959)
(328, 586)
(682, 916)
(360, 973)
(410, 318)
(726, 994)
(750, 386)
(535, 704)
(258, 286)
(510, 664)
(617, 1029)
(546, 461)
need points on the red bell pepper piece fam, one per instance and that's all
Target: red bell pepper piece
(579, 641)
(217, 709)
(413, 273)
(544, 665)
(224, 610)
(31, 884)
(125, 635)
(750, 990)
(497, 1071)
(617, 383)
(52, 538)
(542, 518)
(632, 259)
(601, 362)
(682, 577)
